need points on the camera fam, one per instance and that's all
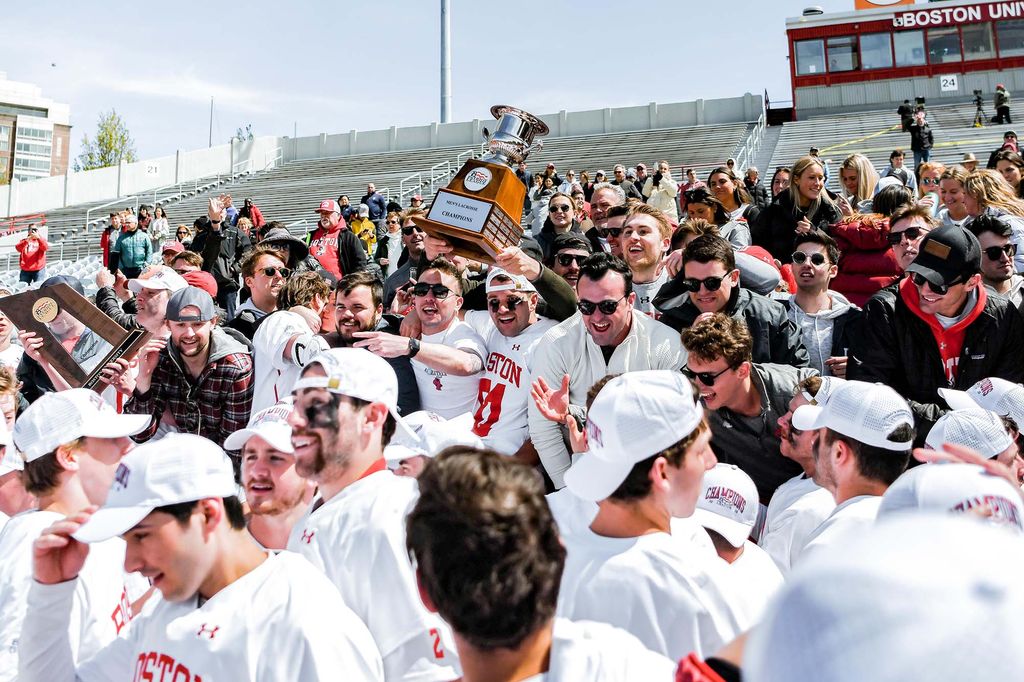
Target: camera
(977, 93)
(919, 101)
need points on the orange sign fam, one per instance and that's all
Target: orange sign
(877, 4)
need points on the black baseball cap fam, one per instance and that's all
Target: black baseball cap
(570, 240)
(947, 256)
(194, 297)
(72, 282)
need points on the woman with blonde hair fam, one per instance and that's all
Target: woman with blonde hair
(859, 179)
(985, 191)
(951, 197)
(928, 176)
(807, 205)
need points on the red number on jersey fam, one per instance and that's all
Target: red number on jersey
(438, 647)
(489, 399)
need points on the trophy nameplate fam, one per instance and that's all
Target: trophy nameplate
(59, 312)
(478, 213)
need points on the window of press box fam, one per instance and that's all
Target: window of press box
(842, 54)
(943, 45)
(978, 42)
(909, 48)
(810, 57)
(1011, 37)
(875, 51)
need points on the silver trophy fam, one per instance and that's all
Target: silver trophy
(512, 139)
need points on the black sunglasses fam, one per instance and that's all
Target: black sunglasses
(560, 208)
(565, 259)
(270, 272)
(409, 230)
(996, 252)
(392, 222)
(799, 258)
(440, 291)
(911, 233)
(706, 378)
(697, 195)
(710, 283)
(615, 232)
(512, 302)
(607, 306)
(941, 289)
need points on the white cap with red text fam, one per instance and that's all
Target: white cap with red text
(728, 503)
(975, 428)
(1003, 397)
(158, 277)
(865, 412)
(516, 283)
(270, 424)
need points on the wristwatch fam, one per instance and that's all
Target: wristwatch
(414, 347)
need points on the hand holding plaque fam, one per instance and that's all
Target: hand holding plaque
(478, 212)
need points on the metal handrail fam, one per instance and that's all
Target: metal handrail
(271, 162)
(107, 205)
(246, 163)
(402, 191)
(471, 153)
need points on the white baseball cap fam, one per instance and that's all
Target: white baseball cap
(158, 277)
(635, 416)
(916, 597)
(432, 433)
(518, 283)
(60, 417)
(825, 390)
(10, 460)
(356, 373)
(865, 412)
(180, 467)
(270, 424)
(1003, 397)
(728, 503)
(955, 487)
(978, 429)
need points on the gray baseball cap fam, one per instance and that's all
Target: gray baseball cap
(190, 296)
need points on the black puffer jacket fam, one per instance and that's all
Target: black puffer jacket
(775, 228)
(896, 347)
(775, 338)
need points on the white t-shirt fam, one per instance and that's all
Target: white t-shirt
(584, 651)
(846, 521)
(755, 580)
(654, 586)
(796, 509)
(645, 293)
(273, 375)
(504, 389)
(450, 396)
(357, 538)
(11, 356)
(98, 606)
(281, 621)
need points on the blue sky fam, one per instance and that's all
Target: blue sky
(333, 66)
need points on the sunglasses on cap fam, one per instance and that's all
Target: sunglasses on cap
(706, 378)
(440, 291)
(710, 283)
(911, 234)
(799, 258)
(410, 229)
(997, 252)
(940, 289)
(512, 302)
(607, 306)
(566, 259)
(615, 232)
(270, 272)
(560, 208)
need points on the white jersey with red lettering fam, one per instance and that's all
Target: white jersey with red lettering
(281, 621)
(357, 538)
(98, 607)
(273, 373)
(504, 392)
(443, 393)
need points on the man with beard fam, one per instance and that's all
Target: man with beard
(345, 413)
(201, 378)
(997, 268)
(646, 235)
(568, 253)
(412, 240)
(277, 496)
(264, 271)
(358, 308)
(333, 244)
(799, 505)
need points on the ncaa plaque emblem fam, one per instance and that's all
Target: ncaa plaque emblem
(477, 179)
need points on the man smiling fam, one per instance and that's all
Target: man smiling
(645, 240)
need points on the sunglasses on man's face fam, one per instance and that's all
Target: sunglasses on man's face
(799, 258)
(706, 378)
(392, 222)
(410, 229)
(270, 272)
(911, 233)
(566, 259)
(512, 302)
(940, 289)
(614, 232)
(607, 306)
(440, 291)
(996, 253)
(560, 208)
(710, 283)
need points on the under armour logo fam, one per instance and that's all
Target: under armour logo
(515, 346)
(307, 536)
(437, 383)
(121, 476)
(208, 631)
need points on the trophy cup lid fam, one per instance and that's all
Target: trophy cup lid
(539, 127)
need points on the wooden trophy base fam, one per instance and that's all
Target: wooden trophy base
(475, 212)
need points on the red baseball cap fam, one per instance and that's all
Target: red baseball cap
(202, 280)
(329, 205)
(173, 247)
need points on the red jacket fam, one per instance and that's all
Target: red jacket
(105, 245)
(866, 262)
(33, 254)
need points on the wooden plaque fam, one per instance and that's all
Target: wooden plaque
(58, 311)
(478, 212)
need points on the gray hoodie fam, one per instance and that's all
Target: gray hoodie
(816, 328)
(1016, 293)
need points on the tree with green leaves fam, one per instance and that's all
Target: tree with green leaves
(112, 144)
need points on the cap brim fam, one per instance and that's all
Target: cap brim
(277, 438)
(957, 400)
(808, 417)
(394, 454)
(110, 522)
(933, 276)
(734, 532)
(593, 479)
(117, 426)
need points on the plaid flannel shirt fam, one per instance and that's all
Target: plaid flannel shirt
(214, 406)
